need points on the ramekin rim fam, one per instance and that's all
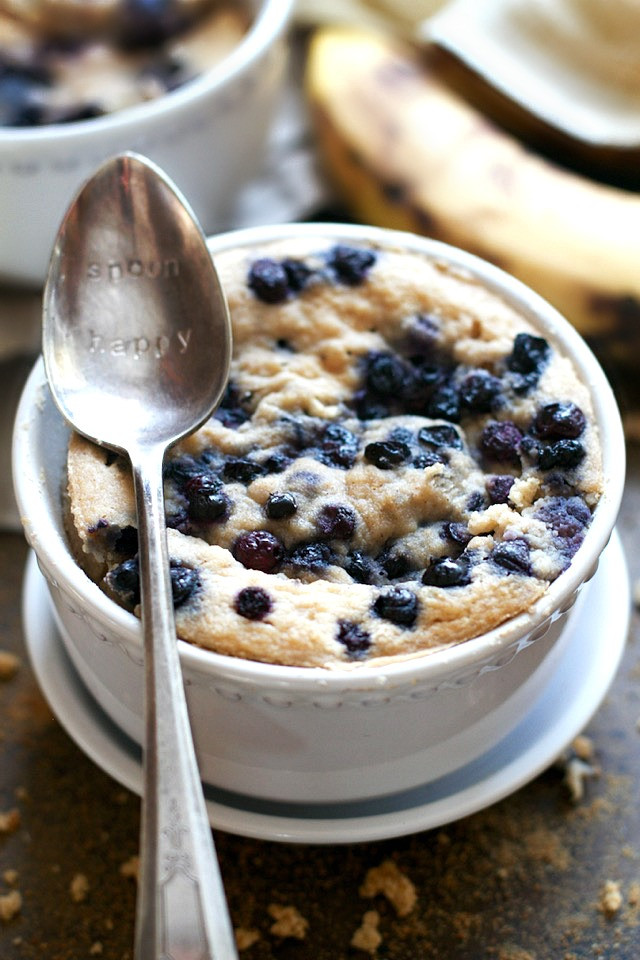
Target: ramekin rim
(414, 668)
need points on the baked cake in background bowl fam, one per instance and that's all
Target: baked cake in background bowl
(193, 84)
(375, 542)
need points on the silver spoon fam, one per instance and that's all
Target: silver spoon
(137, 345)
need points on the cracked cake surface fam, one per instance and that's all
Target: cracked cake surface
(400, 462)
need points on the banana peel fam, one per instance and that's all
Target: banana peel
(404, 150)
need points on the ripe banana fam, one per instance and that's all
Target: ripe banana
(405, 151)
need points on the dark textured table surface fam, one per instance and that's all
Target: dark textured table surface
(541, 875)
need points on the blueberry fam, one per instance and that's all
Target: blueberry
(181, 469)
(311, 556)
(499, 486)
(230, 411)
(501, 441)
(148, 23)
(350, 265)
(394, 563)
(447, 572)
(298, 274)
(480, 392)
(166, 70)
(402, 435)
(398, 605)
(369, 406)
(457, 533)
(422, 383)
(440, 437)
(529, 354)
(387, 454)
(561, 453)
(185, 581)
(559, 420)
(124, 580)
(82, 111)
(423, 460)
(445, 403)
(422, 334)
(253, 603)
(240, 470)
(354, 638)
(527, 360)
(361, 567)
(277, 461)
(269, 280)
(207, 501)
(126, 541)
(385, 374)
(568, 518)
(19, 97)
(476, 501)
(259, 550)
(279, 506)
(338, 446)
(336, 521)
(512, 556)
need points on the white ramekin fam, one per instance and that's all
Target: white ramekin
(209, 136)
(299, 734)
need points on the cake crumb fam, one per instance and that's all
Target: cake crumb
(10, 820)
(96, 949)
(633, 897)
(9, 665)
(79, 888)
(388, 880)
(246, 938)
(288, 922)
(130, 868)
(610, 898)
(10, 877)
(514, 953)
(10, 905)
(577, 771)
(583, 747)
(367, 937)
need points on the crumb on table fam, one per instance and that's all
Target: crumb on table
(9, 820)
(388, 880)
(79, 888)
(130, 868)
(288, 922)
(245, 938)
(367, 937)
(10, 905)
(9, 664)
(610, 898)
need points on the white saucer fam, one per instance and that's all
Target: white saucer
(590, 658)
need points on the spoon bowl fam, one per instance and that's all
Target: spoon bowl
(137, 347)
(136, 336)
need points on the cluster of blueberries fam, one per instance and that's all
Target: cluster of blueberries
(390, 384)
(25, 81)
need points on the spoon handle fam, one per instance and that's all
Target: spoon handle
(182, 910)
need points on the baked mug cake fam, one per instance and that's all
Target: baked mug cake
(402, 462)
(63, 61)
